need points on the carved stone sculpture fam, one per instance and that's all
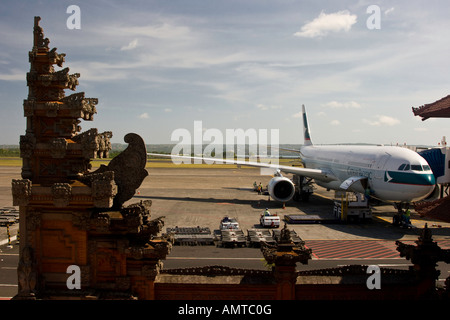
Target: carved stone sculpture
(285, 253)
(129, 169)
(425, 254)
(21, 191)
(62, 193)
(27, 276)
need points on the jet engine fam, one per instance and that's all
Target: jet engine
(281, 189)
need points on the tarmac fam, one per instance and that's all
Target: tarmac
(201, 197)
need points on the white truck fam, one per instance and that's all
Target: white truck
(229, 224)
(269, 220)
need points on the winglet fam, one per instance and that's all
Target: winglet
(307, 137)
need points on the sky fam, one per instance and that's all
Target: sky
(158, 66)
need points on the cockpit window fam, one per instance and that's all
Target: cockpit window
(415, 167)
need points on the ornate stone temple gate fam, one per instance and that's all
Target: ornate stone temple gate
(70, 215)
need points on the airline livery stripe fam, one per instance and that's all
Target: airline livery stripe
(426, 179)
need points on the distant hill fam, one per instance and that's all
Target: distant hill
(14, 151)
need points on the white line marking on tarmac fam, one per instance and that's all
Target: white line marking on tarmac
(209, 258)
(386, 265)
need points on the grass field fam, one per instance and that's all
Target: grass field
(10, 162)
(151, 163)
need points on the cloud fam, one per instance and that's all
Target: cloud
(12, 77)
(132, 45)
(336, 104)
(167, 110)
(261, 71)
(382, 121)
(158, 31)
(335, 122)
(144, 116)
(265, 107)
(326, 23)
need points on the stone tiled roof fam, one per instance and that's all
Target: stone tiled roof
(437, 109)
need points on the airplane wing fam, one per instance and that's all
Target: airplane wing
(319, 174)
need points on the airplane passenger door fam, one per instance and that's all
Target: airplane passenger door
(382, 161)
(380, 164)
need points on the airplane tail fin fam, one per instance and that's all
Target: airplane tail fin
(307, 137)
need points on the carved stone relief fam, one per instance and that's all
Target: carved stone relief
(62, 193)
(21, 192)
(58, 148)
(27, 275)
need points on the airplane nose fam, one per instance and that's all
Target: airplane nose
(427, 179)
(429, 183)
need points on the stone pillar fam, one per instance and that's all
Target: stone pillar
(285, 256)
(286, 277)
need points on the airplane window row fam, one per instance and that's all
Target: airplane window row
(415, 167)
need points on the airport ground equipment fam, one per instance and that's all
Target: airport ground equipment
(192, 236)
(308, 219)
(8, 216)
(229, 224)
(276, 234)
(230, 234)
(303, 188)
(232, 238)
(351, 207)
(256, 236)
(269, 220)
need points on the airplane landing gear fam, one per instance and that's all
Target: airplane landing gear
(402, 217)
(303, 188)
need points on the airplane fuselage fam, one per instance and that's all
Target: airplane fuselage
(393, 173)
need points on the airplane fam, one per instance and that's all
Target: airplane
(390, 174)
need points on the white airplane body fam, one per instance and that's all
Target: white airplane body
(356, 168)
(389, 173)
